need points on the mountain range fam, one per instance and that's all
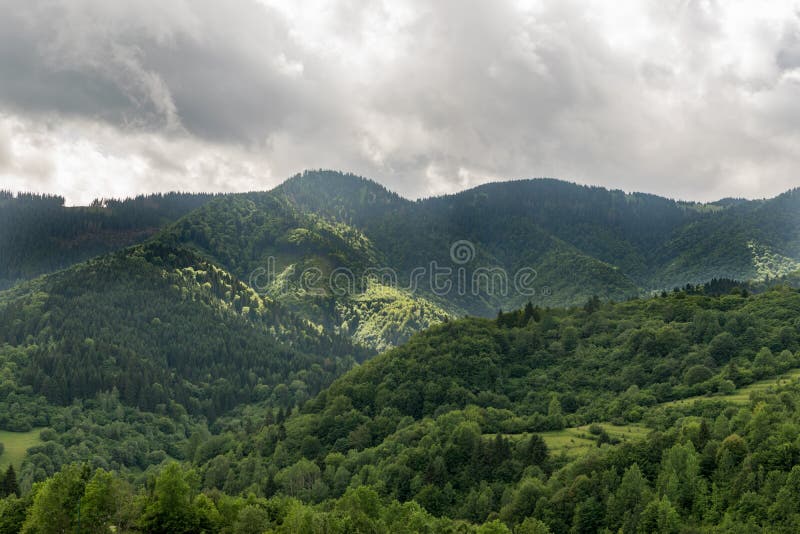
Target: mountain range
(304, 353)
(570, 241)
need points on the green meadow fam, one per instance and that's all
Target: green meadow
(16, 445)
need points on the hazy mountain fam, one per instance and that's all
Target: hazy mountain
(38, 234)
(382, 251)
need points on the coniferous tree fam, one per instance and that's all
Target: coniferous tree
(9, 483)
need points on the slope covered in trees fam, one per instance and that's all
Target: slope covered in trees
(293, 256)
(161, 326)
(580, 240)
(182, 349)
(38, 234)
(573, 241)
(450, 432)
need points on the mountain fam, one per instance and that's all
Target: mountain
(293, 256)
(221, 373)
(567, 242)
(38, 234)
(746, 241)
(579, 240)
(473, 419)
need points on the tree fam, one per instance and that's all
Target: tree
(555, 416)
(660, 517)
(9, 485)
(55, 506)
(12, 513)
(536, 452)
(723, 347)
(169, 505)
(532, 525)
(592, 305)
(251, 520)
(697, 374)
(626, 505)
(103, 503)
(588, 516)
(531, 313)
(299, 478)
(493, 527)
(680, 480)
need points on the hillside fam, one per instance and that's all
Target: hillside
(38, 234)
(161, 326)
(216, 362)
(747, 241)
(293, 256)
(580, 241)
(460, 419)
(537, 421)
(570, 242)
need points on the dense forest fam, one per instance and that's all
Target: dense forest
(38, 234)
(578, 240)
(470, 427)
(155, 376)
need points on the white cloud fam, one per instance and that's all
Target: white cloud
(686, 98)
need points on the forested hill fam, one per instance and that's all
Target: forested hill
(548, 417)
(166, 330)
(579, 240)
(271, 243)
(38, 234)
(652, 242)
(654, 415)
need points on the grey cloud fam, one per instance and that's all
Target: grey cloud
(5, 149)
(466, 91)
(217, 71)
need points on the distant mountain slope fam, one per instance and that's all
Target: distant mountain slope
(606, 242)
(38, 234)
(570, 241)
(749, 240)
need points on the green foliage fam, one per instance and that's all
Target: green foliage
(8, 482)
(650, 415)
(169, 332)
(170, 506)
(38, 234)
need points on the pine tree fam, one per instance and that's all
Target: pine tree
(9, 483)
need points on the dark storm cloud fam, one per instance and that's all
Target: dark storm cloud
(220, 71)
(694, 99)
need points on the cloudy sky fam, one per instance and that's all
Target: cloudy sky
(696, 99)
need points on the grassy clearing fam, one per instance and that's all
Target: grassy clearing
(742, 395)
(577, 441)
(16, 445)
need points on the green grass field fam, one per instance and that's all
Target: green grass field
(16, 444)
(576, 441)
(742, 395)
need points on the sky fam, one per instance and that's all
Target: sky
(690, 99)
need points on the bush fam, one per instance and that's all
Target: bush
(697, 374)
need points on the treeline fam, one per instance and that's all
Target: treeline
(81, 499)
(38, 234)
